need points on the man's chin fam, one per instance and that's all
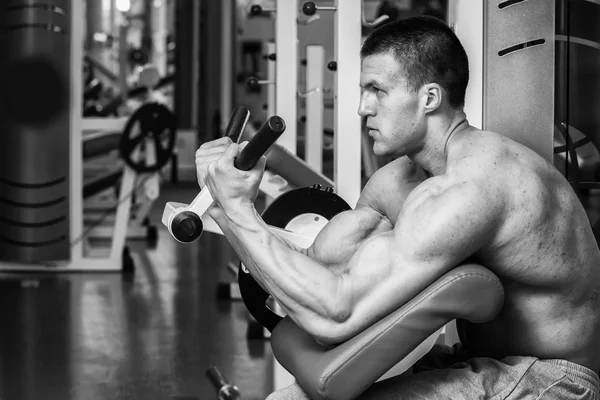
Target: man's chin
(379, 151)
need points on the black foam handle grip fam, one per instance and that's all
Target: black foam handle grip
(237, 123)
(260, 143)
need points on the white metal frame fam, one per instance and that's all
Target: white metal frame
(269, 48)
(146, 188)
(467, 20)
(159, 38)
(315, 64)
(286, 75)
(347, 123)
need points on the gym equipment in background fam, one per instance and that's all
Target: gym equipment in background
(145, 146)
(42, 225)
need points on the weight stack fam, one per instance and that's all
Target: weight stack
(35, 77)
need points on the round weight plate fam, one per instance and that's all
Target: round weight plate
(152, 121)
(290, 206)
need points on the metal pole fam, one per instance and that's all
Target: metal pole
(315, 64)
(286, 36)
(347, 123)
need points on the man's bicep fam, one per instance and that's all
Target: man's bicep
(338, 240)
(377, 208)
(436, 232)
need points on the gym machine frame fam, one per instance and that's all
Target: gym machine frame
(347, 144)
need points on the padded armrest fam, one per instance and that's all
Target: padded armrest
(469, 291)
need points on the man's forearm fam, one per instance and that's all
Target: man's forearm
(306, 290)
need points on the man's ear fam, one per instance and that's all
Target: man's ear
(432, 93)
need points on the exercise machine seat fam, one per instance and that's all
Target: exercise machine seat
(469, 291)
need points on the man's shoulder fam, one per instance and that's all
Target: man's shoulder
(400, 172)
(389, 186)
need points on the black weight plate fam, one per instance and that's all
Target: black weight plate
(281, 211)
(155, 121)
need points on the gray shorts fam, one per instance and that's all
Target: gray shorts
(439, 376)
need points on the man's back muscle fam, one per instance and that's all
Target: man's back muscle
(544, 252)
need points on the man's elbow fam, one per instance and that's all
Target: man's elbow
(331, 331)
(332, 326)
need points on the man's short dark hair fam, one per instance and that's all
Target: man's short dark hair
(427, 50)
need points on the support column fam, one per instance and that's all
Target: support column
(159, 35)
(466, 19)
(286, 34)
(315, 62)
(347, 123)
(270, 48)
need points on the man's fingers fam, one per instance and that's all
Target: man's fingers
(206, 160)
(214, 146)
(224, 141)
(232, 151)
(217, 150)
(260, 165)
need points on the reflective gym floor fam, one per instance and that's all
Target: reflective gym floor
(101, 336)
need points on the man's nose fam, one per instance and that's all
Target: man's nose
(365, 108)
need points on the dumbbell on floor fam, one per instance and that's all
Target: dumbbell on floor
(225, 390)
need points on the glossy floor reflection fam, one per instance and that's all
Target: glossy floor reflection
(100, 336)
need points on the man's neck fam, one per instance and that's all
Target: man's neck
(434, 155)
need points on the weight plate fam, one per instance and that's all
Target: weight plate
(153, 121)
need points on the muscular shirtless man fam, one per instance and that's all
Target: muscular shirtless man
(488, 200)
